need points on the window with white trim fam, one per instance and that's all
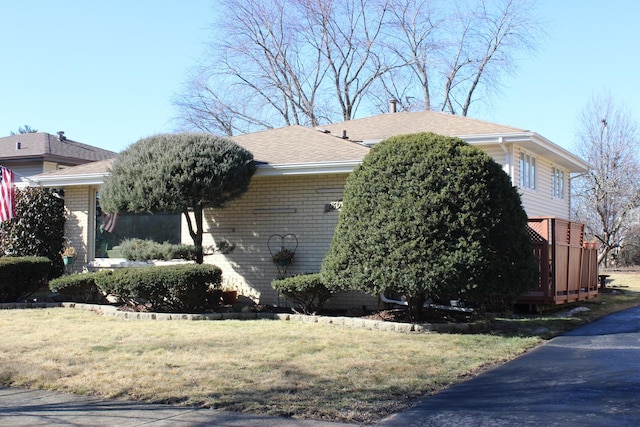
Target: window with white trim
(527, 171)
(557, 183)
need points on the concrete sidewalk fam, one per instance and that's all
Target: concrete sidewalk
(588, 377)
(19, 407)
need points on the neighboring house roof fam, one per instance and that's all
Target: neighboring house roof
(46, 147)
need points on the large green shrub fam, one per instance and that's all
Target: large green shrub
(175, 288)
(305, 290)
(37, 228)
(21, 277)
(77, 287)
(143, 250)
(429, 216)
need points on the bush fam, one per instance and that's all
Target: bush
(428, 216)
(21, 277)
(175, 288)
(144, 250)
(37, 229)
(305, 290)
(77, 287)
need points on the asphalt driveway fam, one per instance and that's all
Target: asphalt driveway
(587, 377)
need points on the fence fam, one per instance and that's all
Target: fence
(568, 266)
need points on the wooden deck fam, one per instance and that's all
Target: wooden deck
(568, 265)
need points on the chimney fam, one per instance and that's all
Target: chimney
(18, 145)
(344, 134)
(392, 105)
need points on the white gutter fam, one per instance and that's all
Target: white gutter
(321, 168)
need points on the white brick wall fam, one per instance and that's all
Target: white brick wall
(276, 205)
(78, 207)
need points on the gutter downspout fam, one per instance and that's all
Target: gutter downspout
(508, 166)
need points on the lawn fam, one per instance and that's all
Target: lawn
(305, 370)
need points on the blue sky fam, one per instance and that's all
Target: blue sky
(106, 72)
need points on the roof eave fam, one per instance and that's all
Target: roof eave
(68, 180)
(536, 143)
(316, 168)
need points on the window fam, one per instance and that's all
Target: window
(111, 230)
(527, 171)
(557, 183)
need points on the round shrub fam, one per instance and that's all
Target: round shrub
(305, 290)
(174, 288)
(21, 277)
(429, 216)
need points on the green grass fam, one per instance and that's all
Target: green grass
(305, 370)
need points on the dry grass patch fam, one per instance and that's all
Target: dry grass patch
(305, 370)
(282, 368)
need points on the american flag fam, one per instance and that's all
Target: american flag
(7, 195)
(109, 222)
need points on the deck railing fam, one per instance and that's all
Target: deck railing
(567, 264)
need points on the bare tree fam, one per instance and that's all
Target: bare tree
(456, 49)
(607, 196)
(307, 62)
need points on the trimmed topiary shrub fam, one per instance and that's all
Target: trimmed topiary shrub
(37, 229)
(305, 290)
(144, 250)
(174, 288)
(21, 277)
(77, 288)
(428, 216)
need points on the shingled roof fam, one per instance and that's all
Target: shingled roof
(298, 144)
(51, 148)
(383, 126)
(301, 150)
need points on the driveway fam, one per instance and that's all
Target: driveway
(587, 377)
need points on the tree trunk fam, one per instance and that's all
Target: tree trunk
(196, 234)
(416, 306)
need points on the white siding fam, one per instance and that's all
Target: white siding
(540, 202)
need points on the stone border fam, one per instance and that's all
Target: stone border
(351, 322)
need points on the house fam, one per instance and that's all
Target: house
(295, 195)
(34, 153)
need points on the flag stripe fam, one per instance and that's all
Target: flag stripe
(7, 195)
(110, 222)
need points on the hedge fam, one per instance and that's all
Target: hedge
(77, 287)
(175, 288)
(143, 250)
(21, 277)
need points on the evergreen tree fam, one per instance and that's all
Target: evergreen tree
(179, 173)
(428, 216)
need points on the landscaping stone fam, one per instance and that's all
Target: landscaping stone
(352, 322)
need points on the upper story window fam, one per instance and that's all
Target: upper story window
(557, 182)
(527, 171)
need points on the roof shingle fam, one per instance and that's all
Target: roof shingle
(50, 147)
